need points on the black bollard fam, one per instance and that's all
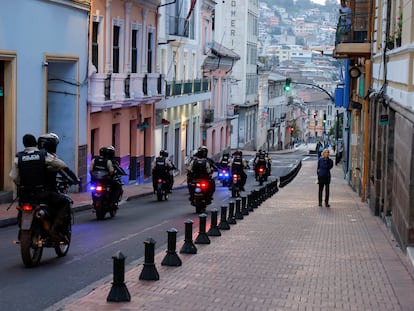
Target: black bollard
(238, 214)
(149, 272)
(244, 210)
(119, 292)
(171, 259)
(260, 196)
(256, 198)
(202, 237)
(263, 189)
(250, 202)
(214, 230)
(223, 225)
(188, 246)
(231, 219)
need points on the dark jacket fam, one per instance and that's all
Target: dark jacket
(324, 169)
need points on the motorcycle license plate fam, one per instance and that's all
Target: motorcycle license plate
(27, 218)
(197, 190)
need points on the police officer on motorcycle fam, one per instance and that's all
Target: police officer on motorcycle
(31, 171)
(162, 168)
(49, 142)
(224, 160)
(106, 162)
(237, 166)
(201, 167)
(261, 159)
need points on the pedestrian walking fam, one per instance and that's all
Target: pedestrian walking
(324, 176)
(319, 148)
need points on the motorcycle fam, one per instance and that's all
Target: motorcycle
(261, 174)
(35, 222)
(236, 187)
(200, 194)
(161, 189)
(224, 176)
(101, 189)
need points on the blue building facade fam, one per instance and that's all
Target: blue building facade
(43, 78)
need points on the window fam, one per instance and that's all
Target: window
(185, 66)
(115, 50)
(115, 136)
(164, 62)
(149, 60)
(95, 53)
(134, 52)
(94, 142)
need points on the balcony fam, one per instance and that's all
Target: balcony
(181, 27)
(178, 88)
(109, 91)
(353, 40)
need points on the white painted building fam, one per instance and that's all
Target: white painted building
(271, 126)
(179, 114)
(237, 29)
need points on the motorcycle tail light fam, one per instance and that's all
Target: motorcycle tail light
(27, 207)
(235, 177)
(202, 185)
(159, 180)
(261, 169)
(99, 188)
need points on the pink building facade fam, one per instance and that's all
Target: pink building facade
(124, 82)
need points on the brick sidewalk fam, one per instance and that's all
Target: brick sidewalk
(289, 254)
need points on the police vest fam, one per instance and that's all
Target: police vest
(100, 164)
(160, 165)
(32, 169)
(199, 167)
(237, 165)
(225, 159)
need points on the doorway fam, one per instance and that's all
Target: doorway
(62, 108)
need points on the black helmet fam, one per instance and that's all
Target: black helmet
(238, 153)
(202, 152)
(108, 152)
(166, 153)
(162, 153)
(48, 141)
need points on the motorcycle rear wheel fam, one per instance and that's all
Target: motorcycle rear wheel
(112, 211)
(30, 252)
(159, 194)
(200, 207)
(62, 249)
(100, 213)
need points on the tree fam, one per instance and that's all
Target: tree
(332, 130)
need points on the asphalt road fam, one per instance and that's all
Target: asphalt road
(95, 242)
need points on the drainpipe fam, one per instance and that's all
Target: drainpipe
(366, 131)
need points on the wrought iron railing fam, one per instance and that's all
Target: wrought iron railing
(176, 88)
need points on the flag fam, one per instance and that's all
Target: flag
(193, 3)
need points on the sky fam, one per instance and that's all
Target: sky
(319, 1)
